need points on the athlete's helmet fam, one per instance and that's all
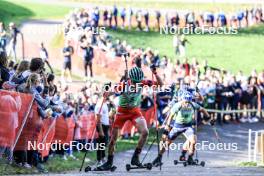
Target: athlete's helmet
(187, 96)
(136, 74)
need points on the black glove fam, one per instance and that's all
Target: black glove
(206, 118)
(212, 122)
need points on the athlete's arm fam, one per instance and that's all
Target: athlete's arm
(159, 81)
(168, 121)
(199, 97)
(207, 116)
(166, 109)
(204, 112)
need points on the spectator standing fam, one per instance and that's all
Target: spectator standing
(221, 19)
(146, 17)
(237, 90)
(158, 15)
(88, 55)
(44, 55)
(105, 16)
(102, 128)
(176, 44)
(115, 13)
(109, 17)
(129, 17)
(3, 39)
(182, 46)
(13, 40)
(123, 17)
(186, 66)
(96, 17)
(190, 20)
(67, 54)
(4, 72)
(175, 21)
(139, 20)
(210, 96)
(254, 94)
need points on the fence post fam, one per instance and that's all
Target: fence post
(249, 145)
(262, 147)
(255, 146)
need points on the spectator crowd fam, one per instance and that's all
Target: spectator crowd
(221, 89)
(145, 19)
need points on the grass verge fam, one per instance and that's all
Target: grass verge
(57, 165)
(18, 11)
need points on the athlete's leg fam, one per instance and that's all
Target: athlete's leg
(191, 138)
(174, 132)
(185, 148)
(192, 143)
(114, 136)
(111, 148)
(141, 125)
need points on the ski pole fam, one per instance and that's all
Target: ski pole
(157, 130)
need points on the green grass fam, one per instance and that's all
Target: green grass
(18, 11)
(247, 164)
(232, 52)
(57, 165)
(159, 4)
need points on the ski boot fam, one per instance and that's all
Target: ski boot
(190, 160)
(135, 161)
(182, 158)
(108, 165)
(157, 161)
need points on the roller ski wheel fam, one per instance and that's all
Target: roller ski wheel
(88, 169)
(147, 166)
(176, 162)
(128, 167)
(202, 163)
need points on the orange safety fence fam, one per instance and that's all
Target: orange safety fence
(70, 132)
(83, 126)
(86, 126)
(103, 59)
(61, 130)
(46, 136)
(10, 105)
(19, 120)
(31, 131)
(91, 127)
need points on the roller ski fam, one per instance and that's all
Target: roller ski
(195, 162)
(107, 166)
(182, 160)
(136, 164)
(189, 162)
